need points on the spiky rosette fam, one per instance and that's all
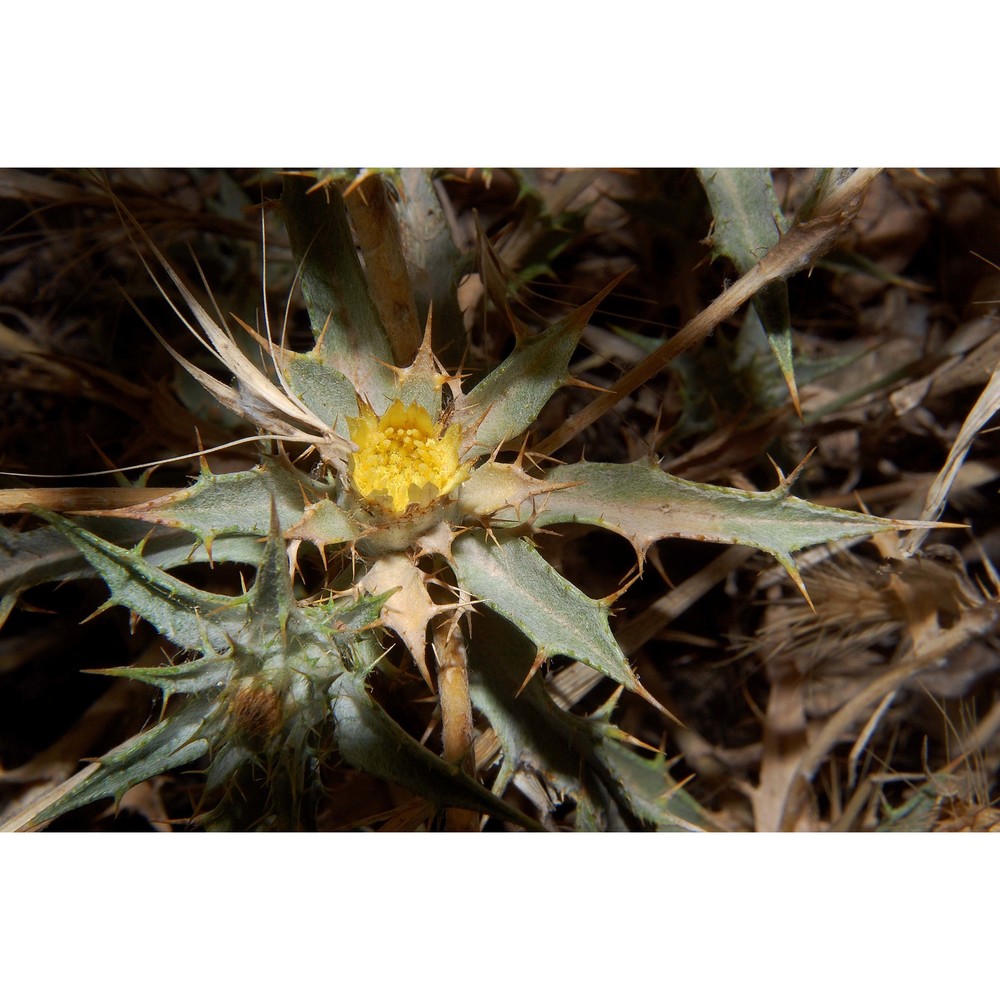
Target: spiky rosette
(418, 519)
(254, 673)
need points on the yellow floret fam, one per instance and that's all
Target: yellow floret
(403, 458)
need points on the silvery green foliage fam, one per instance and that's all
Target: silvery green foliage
(265, 686)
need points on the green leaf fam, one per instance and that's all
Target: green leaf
(207, 673)
(512, 395)
(918, 814)
(43, 555)
(434, 259)
(496, 486)
(238, 503)
(748, 219)
(172, 743)
(326, 391)
(325, 523)
(513, 579)
(421, 383)
(576, 757)
(748, 222)
(531, 728)
(647, 789)
(345, 614)
(643, 503)
(350, 336)
(369, 739)
(271, 601)
(189, 617)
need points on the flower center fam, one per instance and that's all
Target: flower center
(403, 458)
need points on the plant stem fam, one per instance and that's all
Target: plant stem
(456, 710)
(377, 229)
(80, 499)
(797, 249)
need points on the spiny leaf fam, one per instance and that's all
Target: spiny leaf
(172, 743)
(238, 503)
(649, 790)
(187, 616)
(326, 391)
(271, 601)
(207, 673)
(527, 722)
(43, 555)
(643, 503)
(575, 755)
(513, 579)
(422, 381)
(495, 486)
(511, 396)
(346, 615)
(408, 607)
(255, 396)
(369, 739)
(325, 523)
(347, 326)
(748, 222)
(434, 261)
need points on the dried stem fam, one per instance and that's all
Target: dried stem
(79, 499)
(456, 710)
(975, 622)
(799, 248)
(377, 230)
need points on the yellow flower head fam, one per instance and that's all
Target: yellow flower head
(403, 458)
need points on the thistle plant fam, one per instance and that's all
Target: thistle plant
(422, 495)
